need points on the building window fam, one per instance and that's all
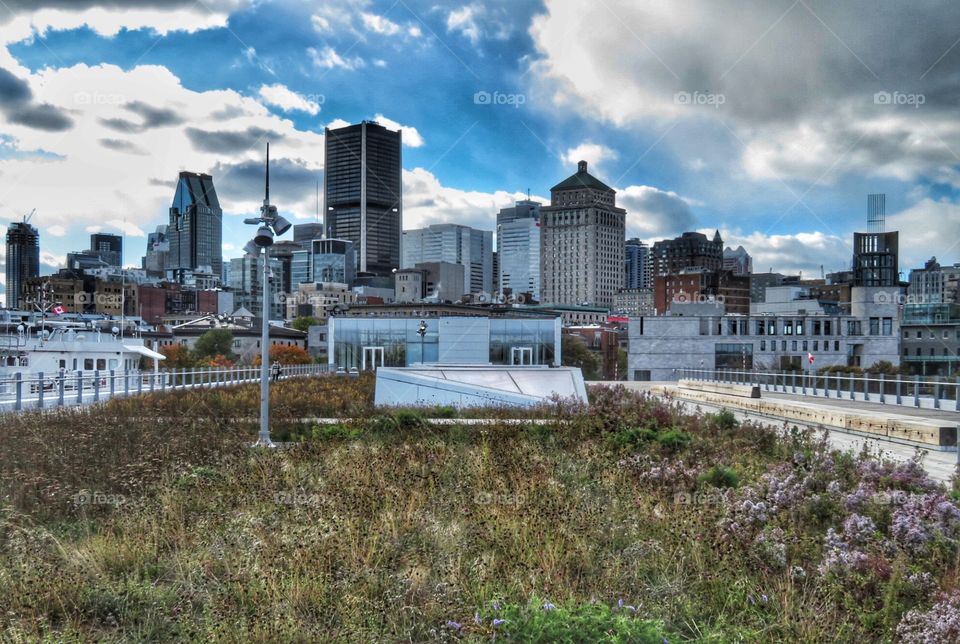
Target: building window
(788, 327)
(816, 327)
(874, 326)
(887, 326)
(763, 345)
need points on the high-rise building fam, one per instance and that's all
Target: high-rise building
(934, 284)
(582, 242)
(518, 249)
(158, 252)
(247, 284)
(325, 260)
(688, 251)
(362, 189)
(108, 247)
(23, 259)
(875, 259)
(303, 234)
(456, 244)
(196, 227)
(637, 265)
(738, 261)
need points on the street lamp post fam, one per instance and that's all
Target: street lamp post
(422, 332)
(270, 224)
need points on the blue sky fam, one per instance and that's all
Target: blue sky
(761, 119)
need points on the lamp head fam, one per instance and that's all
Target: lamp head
(264, 237)
(281, 225)
(251, 248)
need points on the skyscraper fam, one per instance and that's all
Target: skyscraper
(518, 249)
(108, 247)
(158, 252)
(196, 227)
(303, 234)
(637, 265)
(362, 189)
(688, 251)
(23, 259)
(875, 259)
(456, 244)
(582, 242)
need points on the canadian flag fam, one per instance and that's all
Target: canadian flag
(58, 310)
(810, 357)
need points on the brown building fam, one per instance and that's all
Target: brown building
(688, 251)
(156, 301)
(691, 286)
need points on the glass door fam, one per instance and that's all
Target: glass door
(521, 356)
(371, 358)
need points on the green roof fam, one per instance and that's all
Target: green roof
(582, 179)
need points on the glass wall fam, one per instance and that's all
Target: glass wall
(538, 335)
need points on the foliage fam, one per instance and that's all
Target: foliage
(543, 621)
(304, 322)
(215, 342)
(884, 367)
(574, 353)
(720, 477)
(178, 356)
(841, 369)
(286, 354)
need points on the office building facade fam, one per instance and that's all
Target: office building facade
(195, 230)
(456, 244)
(23, 260)
(582, 242)
(875, 259)
(362, 187)
(518, 249)
(934, 284)
(689, 250)
(108, 247)
(636, 265)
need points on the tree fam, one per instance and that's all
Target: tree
(576, 354)
(883, 366)
(215, 342)
(178, 357)
(304, 322)
(286, 354)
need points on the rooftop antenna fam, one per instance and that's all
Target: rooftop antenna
(528, 194)
(318, 202)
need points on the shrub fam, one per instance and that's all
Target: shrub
(632, 437)
(542, 621)
(725, 420)
(444, 411)
(674, 440)
(720, 476)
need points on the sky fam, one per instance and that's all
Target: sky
(770, 120)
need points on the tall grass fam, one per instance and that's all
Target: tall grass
(398, 530)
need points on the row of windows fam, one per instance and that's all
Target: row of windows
(797, 345)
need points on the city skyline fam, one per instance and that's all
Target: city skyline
(500, 108)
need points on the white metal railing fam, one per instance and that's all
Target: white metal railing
(928, 393)
(21, 390)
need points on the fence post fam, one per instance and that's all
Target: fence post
(139, 383)
(956, 397)
(866, 388)
(916, 391)
(852, 397)
(96, 385)
(936, 393)
(79, 387)
(163, 381)
(126, 382)
(40, 389)
(899, 390)
(113, 383)
(883, 395)
(19, 386)
(60, 387)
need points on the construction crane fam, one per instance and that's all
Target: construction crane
(27, 218)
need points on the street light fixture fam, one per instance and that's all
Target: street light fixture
(270, 225)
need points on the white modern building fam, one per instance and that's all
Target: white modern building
(659, 345)
(456, 244)
(518, 249)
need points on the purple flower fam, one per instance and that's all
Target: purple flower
(498, 622)
(477, 619)
(454, 625)
(764, 598)
(620, 604)
(548, 606)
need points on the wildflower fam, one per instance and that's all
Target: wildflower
(548, 606)
(620, 604)
(764, 599)
(454, 625)
(497, 622)
(477, 619)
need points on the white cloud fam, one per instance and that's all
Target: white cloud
(328, 58)
(593, 153)
(652, 212)
(411, 137)
(426, 201)
(337, 123)
(803, 252)
(414, 31)
(51, 260)
(463, 20)
(127, 228)
(928, 227)
(379, 24)
(56, 230)
(283, 97)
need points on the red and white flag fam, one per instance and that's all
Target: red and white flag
(810, 357)
(58, 310)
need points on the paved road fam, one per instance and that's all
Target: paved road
(940, 464)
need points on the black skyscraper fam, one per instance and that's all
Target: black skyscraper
(362, 190)
(196, 226)
(108, 247)
(23, 259)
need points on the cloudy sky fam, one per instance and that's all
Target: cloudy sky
(768, 119)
